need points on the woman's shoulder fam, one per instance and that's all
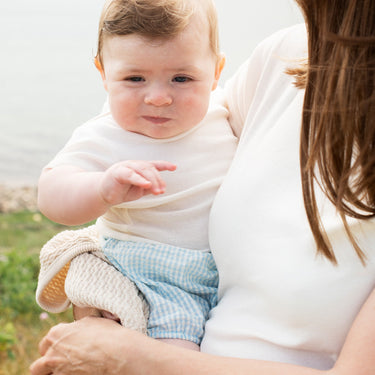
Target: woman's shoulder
(265, 71)
(287, 43)
(280, 50)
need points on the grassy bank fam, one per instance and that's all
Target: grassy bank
(22, 324)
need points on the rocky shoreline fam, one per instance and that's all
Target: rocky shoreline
(17, 198)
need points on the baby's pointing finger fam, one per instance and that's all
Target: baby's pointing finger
(133, 177)
(162, 165)
(152, 174)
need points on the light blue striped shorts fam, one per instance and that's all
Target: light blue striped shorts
(180, 285)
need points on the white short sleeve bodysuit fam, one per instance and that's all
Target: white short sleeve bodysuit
(278, 300)
(179, 217)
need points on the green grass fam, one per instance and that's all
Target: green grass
(22, 235)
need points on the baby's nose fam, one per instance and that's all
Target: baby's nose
(158, 95)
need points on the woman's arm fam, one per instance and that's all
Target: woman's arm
(358, 353)
(99, 346)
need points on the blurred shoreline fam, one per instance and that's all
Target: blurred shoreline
(14, 198)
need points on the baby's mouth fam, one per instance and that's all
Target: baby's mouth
(157, 119)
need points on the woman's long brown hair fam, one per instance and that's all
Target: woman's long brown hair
(337, 150)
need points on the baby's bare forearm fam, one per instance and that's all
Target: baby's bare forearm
(70, 196)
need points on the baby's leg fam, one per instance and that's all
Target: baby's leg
(82, 312)
(181, 343)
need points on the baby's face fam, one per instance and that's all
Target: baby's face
(160, 88)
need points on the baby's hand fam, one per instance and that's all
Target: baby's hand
(130, 180)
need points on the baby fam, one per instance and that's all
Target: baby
(149, 168)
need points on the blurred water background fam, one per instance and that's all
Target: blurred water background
(48, 83)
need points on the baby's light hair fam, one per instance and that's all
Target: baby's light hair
(154, 19)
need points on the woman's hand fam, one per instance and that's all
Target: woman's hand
(88, 346)
(99, 346)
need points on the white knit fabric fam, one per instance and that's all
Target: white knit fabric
(73, 270)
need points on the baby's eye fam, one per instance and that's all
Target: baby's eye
(181, 79)
(134, 79)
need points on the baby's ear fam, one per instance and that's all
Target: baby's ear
(219, 68)
(99, 66)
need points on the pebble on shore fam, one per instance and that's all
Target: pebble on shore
(18, 198)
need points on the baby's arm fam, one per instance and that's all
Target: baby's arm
(72, 196)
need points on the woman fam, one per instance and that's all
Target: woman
(292, 228)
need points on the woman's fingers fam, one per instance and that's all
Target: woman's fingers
(48, 340)
(75, 348)
(41, 367)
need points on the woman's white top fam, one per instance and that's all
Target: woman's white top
(179, 217)
(278, 300)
